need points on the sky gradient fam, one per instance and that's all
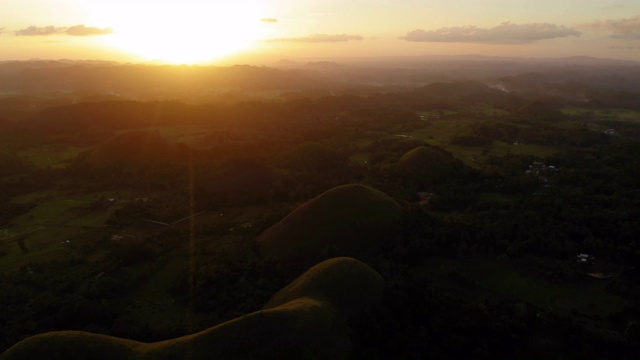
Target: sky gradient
(189, 31)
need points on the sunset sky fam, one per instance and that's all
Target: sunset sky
(192, 31)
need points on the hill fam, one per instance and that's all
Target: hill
(241, 179)
(312, 157)
(345, 283)
(343, 220)
(134, 148)
(111, 116)
(307, 319)
(427, 166)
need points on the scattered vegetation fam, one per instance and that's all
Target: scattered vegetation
(173, 223)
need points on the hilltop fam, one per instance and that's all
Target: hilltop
(307, 319)
(344, 220)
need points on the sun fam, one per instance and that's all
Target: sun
(181, 32)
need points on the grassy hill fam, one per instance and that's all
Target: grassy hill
(342, 221)
(427, 166)
(345, 283)
(307, 319)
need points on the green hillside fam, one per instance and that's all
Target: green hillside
(427, 165)
(307, 319)
(343, 220)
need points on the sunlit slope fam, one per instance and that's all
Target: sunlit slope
(341, 221)
(305, 320)
(135, 148)
(347, 284)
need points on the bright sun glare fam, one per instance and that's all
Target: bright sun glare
(181, 32)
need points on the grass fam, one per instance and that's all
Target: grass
(539, 151)
(495, 197)
(307, 319)
(498, 275)
(345, 283)
(35, 196)
(361, 158)
(152, 304)
(441, 132)
(59, 217)
(53, 156)
(343, 219)
(603, 114)
(191, 136)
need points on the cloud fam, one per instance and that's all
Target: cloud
(317, 38)
(76, 30)
(269, 20)
(621, 28)
(624, 47)
(2, 30)
(39, 31)
(81, 30)
(506, 32)
(613, 6)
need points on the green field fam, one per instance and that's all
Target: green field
(440, 133)
(603, 114)
(53, 156)
(52, 228)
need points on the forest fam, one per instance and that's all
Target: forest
(502, 220)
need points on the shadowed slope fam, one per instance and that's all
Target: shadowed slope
(305, 320)
(426, 166)
(135, 147)
(237, 180)
(313, 157)
(343, 220)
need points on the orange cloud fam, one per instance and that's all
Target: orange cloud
(76, 30)
(621, 28)
(506, 32)
(81, 30)
(317, 38)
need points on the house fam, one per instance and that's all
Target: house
(585, 258)
(541, 171)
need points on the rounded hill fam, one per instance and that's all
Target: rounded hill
(135, 147)
(312, 157)
(306, 320)
(425, 166)
(346, 283)
(342, 221)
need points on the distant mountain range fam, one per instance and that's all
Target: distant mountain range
(577, 79)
